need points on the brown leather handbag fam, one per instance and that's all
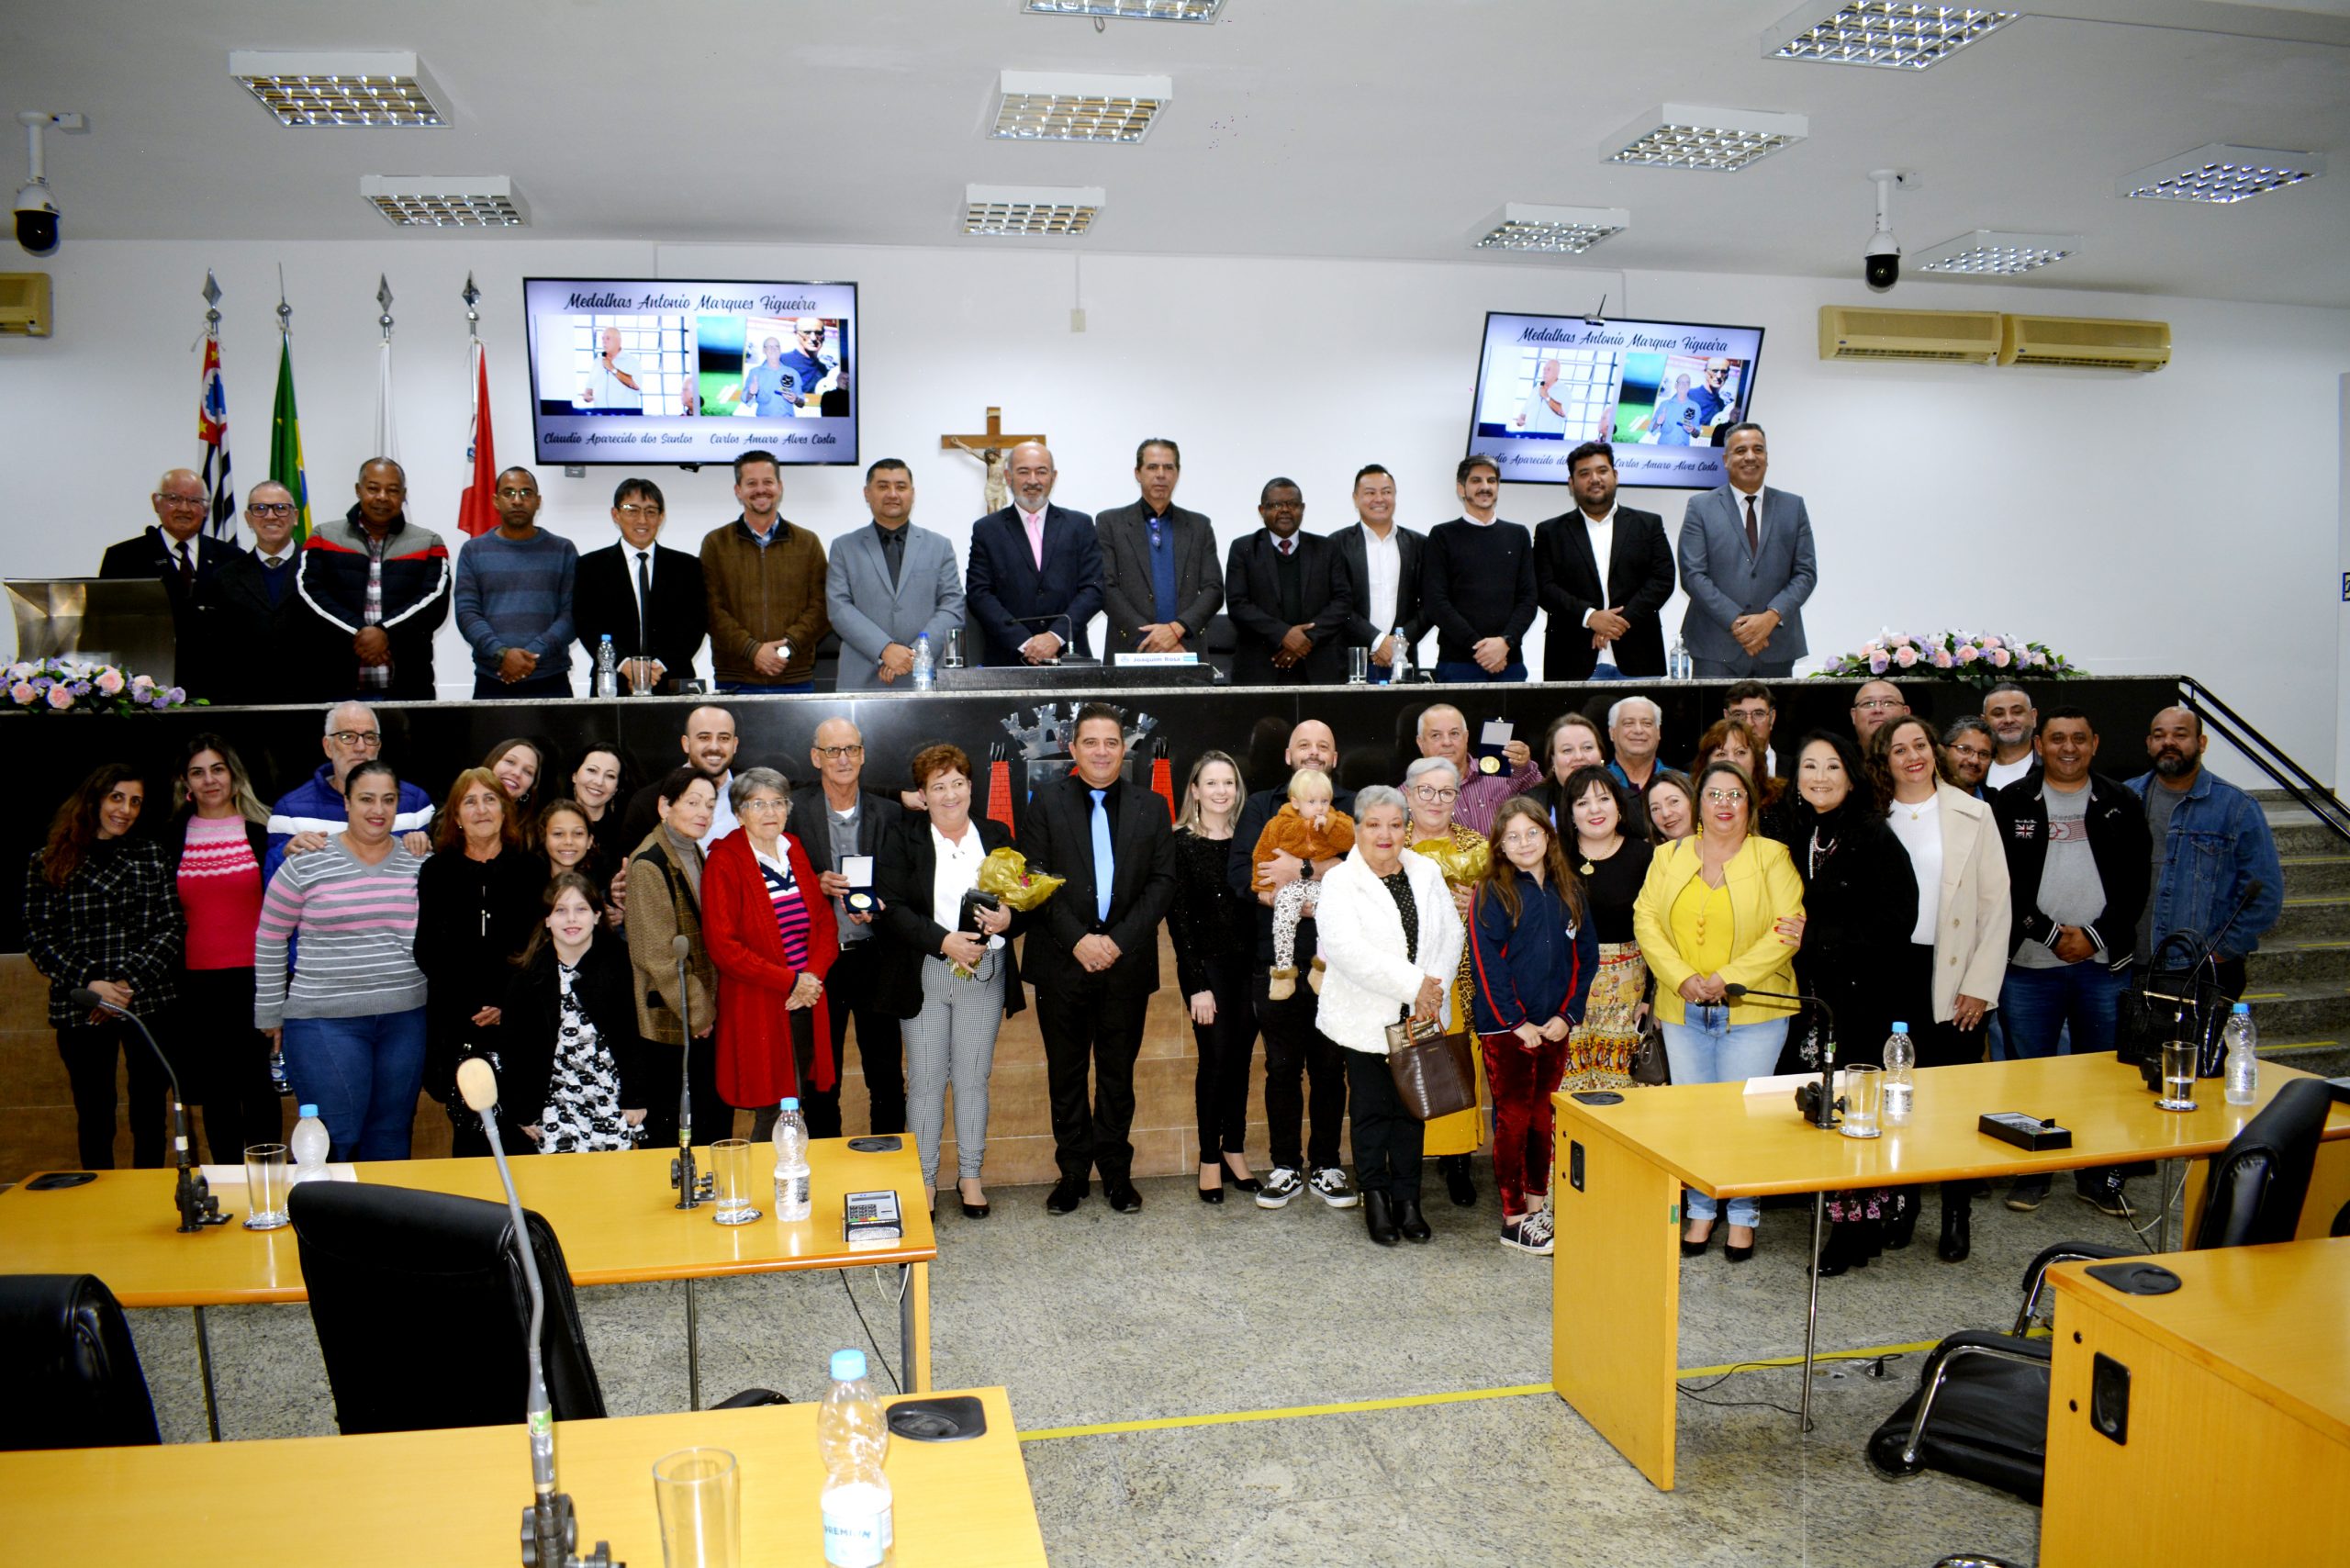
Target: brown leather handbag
(1435, 1073)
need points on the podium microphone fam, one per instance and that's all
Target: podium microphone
(691, 1190)
(193, 1196)
(1816, 1103)
(550, 1532)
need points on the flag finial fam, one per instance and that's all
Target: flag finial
(383, 299)
(285, 311)
(472, 296)
(211, 297)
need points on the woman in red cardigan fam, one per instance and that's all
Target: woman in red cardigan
(769, 931)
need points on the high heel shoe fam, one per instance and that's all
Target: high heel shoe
(1693, 1249)
(1210, 1194)
(1956, 1241)
(1733, 1251)
(970, 1209)
(1236, 1180)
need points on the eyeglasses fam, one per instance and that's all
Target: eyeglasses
(1974, 754)
(516, 494)
(179, 501)
(1725, 796)
(269, 509)
(355, 738)
(631, 511)
(835, 753)
(1878, 704)
(760, 805)
(1431, 793)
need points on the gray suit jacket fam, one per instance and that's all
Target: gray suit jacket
(1723, 585)
(869, 614)
(1125, 532)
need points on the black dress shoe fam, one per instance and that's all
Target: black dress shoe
(1067, 1193)
(1693, 1249)
(1736, 1253)
(1409, 1220)
(1123, 1196)
(1956, 1241)
(971, 1210)
(1844, 1250)
(1211, 1195)
(1236, 1182)
(1457, 1184)
(1378, 1216)
(1903, 1222)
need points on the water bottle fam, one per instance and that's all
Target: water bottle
(277, 1079)
(1676, 665)
(1402, 669)
(1900, 1077)
(2243, 1042)
(309, 1148)
(854, 1439)
(922, 663)
(790, 1163)
(608, 668)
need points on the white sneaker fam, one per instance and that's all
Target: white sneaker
(1278, 1186)
(1331, 1186)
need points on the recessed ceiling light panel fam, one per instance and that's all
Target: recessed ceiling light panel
(1552, 230)
(2220, 173)
(445, 201)
(1045, 106)
(378, 91)
(1990, 252)
(1686, 136)
(1133, 11)
(1052, 211)
(1895, 36)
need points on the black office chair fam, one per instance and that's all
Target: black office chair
(71, 1371)
(2341, 1225)
(1981, 1406)
(826, 674)
(1221, 643)
(421, 1310)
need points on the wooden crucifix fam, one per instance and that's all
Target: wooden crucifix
(989, 449)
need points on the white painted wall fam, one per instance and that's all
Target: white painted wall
(2190, 519)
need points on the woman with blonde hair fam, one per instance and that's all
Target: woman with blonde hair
(1213, 926)
(1431, 787)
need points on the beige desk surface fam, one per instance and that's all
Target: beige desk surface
(613, 1213)
(449, 1498)
(1724, 1142)
(2273, 1321)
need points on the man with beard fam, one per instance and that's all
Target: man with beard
(708, 742)
(2007, 709)
(1477, 583)
(1603, 572)
(1967, 748)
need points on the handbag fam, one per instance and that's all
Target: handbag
(1649, 1065)
(1434, 1073)
(2177, 998)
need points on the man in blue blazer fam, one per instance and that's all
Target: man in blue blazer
(887, 585)
(1747, 567)
(1036, 572)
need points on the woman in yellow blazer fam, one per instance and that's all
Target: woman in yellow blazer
(1709, 916)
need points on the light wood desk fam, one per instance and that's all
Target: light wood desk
(2237, 1448)
(457, 1496)
(614, 1214)
(1616, 1298)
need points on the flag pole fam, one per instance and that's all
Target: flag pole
(387, 430)
(212, 423)
(286, 464)
(476, 511)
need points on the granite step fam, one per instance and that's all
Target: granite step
(2312, 917)
(2309, 1011)
(2316, 873)
(2326, 1058)
(2283, 965)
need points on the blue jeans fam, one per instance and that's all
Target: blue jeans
(1455, 671)
(1710, 1049)
(363, 1075)
(2038, 1005)
(760, 689)
(1607, 672)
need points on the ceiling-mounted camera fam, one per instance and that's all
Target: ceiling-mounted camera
(1881, 257)
(37, 225)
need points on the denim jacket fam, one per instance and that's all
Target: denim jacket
(2218, 844)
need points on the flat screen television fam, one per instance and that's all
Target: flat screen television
(642, 371)
(1663, 393)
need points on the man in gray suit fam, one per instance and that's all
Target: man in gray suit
(1747, 567)
(887, 585)
(1161, 578)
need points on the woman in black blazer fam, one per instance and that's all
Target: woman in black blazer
(953, 984)
(572, 1066)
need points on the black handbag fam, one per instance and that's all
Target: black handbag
(1648, 1064)
(2177, 998)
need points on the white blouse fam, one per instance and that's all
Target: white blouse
(957, 873)
(1920, 829)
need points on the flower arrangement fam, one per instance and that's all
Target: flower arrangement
(1978, 658)
(68, 686)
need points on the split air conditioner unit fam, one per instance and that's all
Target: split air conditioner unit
(24, 305)
(1868, 331)
(2086, 343)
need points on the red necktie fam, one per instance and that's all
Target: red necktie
(1753, 532)
(188, 566)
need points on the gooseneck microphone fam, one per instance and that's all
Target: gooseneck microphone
(691, 1190)
(1818, 1105)
(193, 1194)
(550, 1532)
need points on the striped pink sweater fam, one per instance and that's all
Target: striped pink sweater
(357, 925)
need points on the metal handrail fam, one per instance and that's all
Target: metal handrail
(2233, 727)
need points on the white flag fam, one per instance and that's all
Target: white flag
(387, 441)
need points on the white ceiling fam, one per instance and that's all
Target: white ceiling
(1300, 128)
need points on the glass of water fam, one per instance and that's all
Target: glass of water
(1863, 1101)
(267, 1185)
(730, 1164)
(699, 1495)
(2178, 1075)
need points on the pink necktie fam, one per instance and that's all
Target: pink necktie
(1036, 537)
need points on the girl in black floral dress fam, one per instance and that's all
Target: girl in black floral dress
(574, 1064)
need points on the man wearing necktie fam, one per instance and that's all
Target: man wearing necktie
(1092, 952)
(1160, 579)
(254, 603)
(1283, 593)
(1747, 567)
(176, 553)
(1035, 581)
(646, 597)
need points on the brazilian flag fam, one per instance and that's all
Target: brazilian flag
(285, 444)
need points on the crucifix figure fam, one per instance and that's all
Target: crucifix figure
(989, 449)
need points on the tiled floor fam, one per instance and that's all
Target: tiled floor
(1187, 1310)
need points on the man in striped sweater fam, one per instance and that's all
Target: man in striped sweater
(514, 599)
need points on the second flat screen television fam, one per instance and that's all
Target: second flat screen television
(1662, 393)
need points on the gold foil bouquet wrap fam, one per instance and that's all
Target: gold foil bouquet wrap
(1005, 874)
(1462, 864)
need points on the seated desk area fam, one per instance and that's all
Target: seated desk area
(1615, 1297)
(458, 1496)
(2237, 1446)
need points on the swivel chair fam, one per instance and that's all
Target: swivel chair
(70, 1371)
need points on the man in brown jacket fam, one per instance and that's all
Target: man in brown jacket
(766, 582)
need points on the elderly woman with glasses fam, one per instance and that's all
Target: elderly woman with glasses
(1431, 791)
(772, 936)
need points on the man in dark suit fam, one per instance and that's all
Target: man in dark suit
(648, 598)
(254, 603)
(176, 553)
(1035, 574)
(1288, 607)
(1161, 578)
(832, 818)
(1746, 565)
(1379, 566)
(1601, 630)
(1092, 952)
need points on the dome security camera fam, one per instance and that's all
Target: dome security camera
(37, 220)
(1881, 262)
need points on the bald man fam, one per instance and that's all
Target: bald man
(175, 552)
(1035, 580)
(1443, 731)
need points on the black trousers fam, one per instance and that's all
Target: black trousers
(1088, 1026)
(1296, 1053)
(713, 1117)
(1388, 1137)
(1220, 1089)
(853, 993)
(1912, 990)
(224, 1063)
(90, 1051)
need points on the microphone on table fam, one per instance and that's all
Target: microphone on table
(193, 1195)
(691, 1190)
(550, 1530)
(1816, 1102)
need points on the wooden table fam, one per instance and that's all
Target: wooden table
(2237, 1446)
(457, 1496)
(1616, 1298)
(615, 1214)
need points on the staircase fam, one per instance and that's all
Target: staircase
(2298, 982)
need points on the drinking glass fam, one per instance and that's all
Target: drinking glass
(730, 1164)
(2178, 1075)
(1864, 1098)
(267, 1185)
(1358, 666)
(699, 1495)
